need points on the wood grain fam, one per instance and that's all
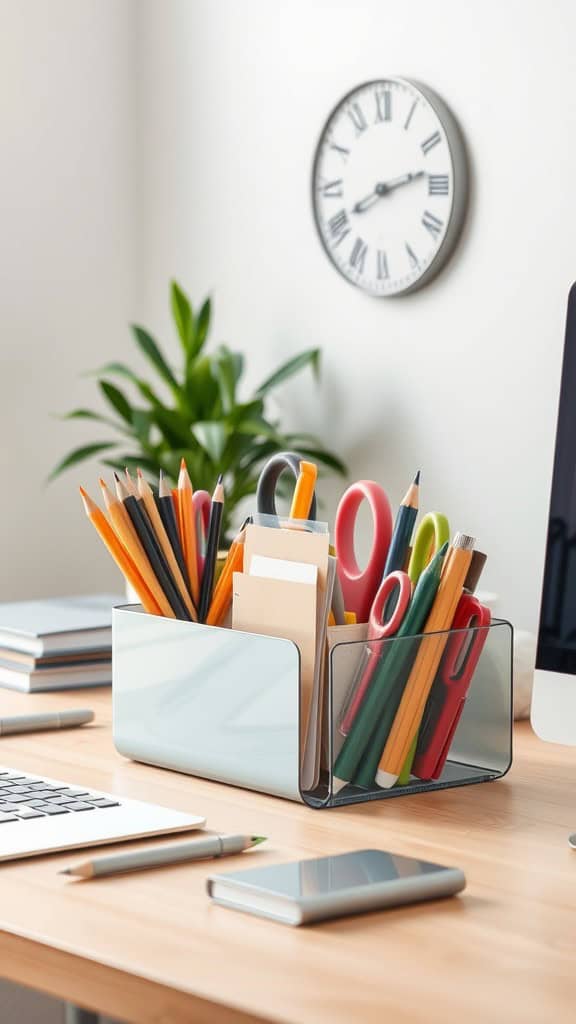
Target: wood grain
(150, 947)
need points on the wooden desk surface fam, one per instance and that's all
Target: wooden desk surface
(151, 948)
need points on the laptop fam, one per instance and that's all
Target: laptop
(41, 815)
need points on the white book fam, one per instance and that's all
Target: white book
(58, 625)
(56, 679)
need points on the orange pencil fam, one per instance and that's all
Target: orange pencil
(304, 491)
(146, 494)
(125, 535)
(415, 695)
(119, 554)
(223, 590)
(108, 496)
(187, 527)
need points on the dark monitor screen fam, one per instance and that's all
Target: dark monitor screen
(557, 633)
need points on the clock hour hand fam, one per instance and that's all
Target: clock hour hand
(367, 202)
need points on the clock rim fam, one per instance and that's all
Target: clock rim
(460, 171)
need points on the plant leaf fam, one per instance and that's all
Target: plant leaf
(212, 437)
(311, 357)
(202, 327)
(152, 352)
(326, 458)
(80, 454)
(224, 369)
(117, 400)
(183, 316)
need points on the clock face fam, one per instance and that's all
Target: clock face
(389, 186)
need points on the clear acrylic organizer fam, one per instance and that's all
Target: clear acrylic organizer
(225, 705)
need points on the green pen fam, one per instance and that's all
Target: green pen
(365, 741)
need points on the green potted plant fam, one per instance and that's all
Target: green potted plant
(203, 419)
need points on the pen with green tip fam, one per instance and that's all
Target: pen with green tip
(160, 856)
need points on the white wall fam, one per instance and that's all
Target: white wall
(66, 269)
(460, 379)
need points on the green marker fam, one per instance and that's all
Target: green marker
(365, 741)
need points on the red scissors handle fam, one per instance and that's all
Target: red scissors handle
(359, 586)
(378, 629)
(448, 694)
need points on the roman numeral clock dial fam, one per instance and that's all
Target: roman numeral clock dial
(390, 186)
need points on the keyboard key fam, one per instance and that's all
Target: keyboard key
(57, 798)
(20, 789)
(7, 817)
(80, 807)
(54, 810)
(102, 801)
(29, 812)
(76, 794)
(20, 798)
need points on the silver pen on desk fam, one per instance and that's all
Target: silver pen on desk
(160, 856)
(68, 719)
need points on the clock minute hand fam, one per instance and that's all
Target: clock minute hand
(384, 187)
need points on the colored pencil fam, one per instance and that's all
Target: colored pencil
(403, 528)
(147, 497)
(168, 515)
(151, 548)
(415, 695)
(367, 736)
(223, 590)
(212, 543)
(187, 528)
(120, 555)
(304, 491)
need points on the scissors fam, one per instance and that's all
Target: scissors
(360, 586)
(448, 695)
(202, 504)
(392, 600)
(268, 482)
(433, 532)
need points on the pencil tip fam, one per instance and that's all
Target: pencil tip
(417, 478)
(139, 472)
(161, 474)
(116, 477)
(219, 480)
(183, 463)
(83, 492)
(65, 871)
(444, 548)
(102, 482)
(258, 839)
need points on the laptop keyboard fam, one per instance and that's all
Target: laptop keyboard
(24, 796)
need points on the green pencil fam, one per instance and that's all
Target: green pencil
(380, 704)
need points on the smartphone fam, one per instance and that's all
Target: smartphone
(303, 891)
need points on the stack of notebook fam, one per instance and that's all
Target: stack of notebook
(57, 644)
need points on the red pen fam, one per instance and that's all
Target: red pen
(448, 694)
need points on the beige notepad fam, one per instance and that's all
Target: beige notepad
(284, 609)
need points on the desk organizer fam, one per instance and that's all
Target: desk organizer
(224, 705)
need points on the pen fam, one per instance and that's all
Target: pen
(159, 856)
(46, 720)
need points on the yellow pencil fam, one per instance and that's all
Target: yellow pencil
(187, 526)
(415, 695)
(146, 494)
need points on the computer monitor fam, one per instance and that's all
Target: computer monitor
(554, 698)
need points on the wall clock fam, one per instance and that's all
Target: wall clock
(390, 186)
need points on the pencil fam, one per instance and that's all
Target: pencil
(223, 591)
(129, 483)
(187, 527)
(403, 527)
(415, 695)
(304, 491)
(212, 543)
(147, 538)
(147, 497)
(125, 533)
(365, 741)
(168, 514)
(119, 554)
